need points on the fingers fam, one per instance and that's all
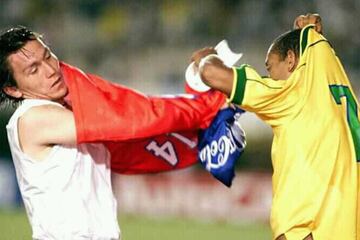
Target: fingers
(315, 19)
(310, 18)
(198, 55)
(299, 22)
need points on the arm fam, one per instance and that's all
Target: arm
(44, 126)
(243, 86)
(213, 72)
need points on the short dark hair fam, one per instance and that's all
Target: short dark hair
(11, 41)
(287, 41)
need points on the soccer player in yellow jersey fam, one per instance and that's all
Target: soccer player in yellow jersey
(311, 107)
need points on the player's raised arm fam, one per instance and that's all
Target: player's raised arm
(220, 77)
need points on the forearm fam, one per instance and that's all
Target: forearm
(216, 75)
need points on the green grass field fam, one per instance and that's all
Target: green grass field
(14, 226)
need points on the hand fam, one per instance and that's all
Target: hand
(199, 54)
(303, 20)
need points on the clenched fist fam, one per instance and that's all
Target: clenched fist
(303, 20)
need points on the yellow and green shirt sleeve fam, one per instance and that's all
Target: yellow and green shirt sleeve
(253, 92)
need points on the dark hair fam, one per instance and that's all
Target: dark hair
(285, 42)
(11, 41)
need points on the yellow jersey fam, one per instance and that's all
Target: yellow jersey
(316, 145)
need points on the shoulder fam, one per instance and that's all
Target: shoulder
(46, 124)
(40, 124)
(36, 126)
(38, 115)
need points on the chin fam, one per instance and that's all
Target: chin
(60, 94)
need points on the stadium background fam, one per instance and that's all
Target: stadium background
(147, 45)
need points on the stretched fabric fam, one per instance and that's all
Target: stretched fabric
(136, 128)
(221, 145)
(154, 154)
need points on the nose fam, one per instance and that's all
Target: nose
(50, 69)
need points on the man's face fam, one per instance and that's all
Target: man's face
(36, 71)
(277, 68)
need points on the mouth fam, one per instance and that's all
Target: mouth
(58, 80)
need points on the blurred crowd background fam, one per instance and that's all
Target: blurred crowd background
(147, 45)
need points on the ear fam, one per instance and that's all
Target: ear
(13, 92)
(292, 60)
